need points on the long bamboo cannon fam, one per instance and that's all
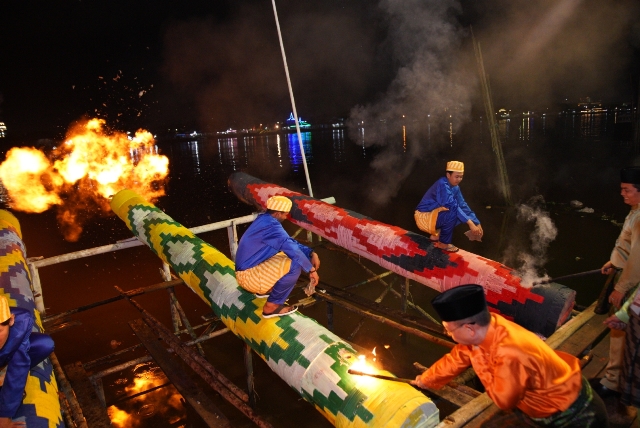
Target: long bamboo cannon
(540, 309)
(307, 356)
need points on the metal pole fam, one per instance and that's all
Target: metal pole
(293, 102)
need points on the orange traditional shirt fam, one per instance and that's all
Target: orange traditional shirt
(516, 368)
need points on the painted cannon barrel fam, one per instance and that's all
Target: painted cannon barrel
(540, 309)
(307, 356)
(40, 406)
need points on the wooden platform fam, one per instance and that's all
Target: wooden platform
(198, 399)
(92, 408)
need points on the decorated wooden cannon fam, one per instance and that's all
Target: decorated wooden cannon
(540, 309)
(308, 357)
(40, 406)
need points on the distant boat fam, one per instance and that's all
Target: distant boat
(291, 123)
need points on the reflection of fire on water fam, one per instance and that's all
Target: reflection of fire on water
(80, 175)
(137, 412)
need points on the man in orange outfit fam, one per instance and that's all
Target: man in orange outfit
(518, 370)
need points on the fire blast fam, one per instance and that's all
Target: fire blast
(80, 175)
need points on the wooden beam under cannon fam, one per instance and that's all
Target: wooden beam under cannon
(540, 309)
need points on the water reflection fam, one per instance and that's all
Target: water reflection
(295, 156)
(404, 138)
(593, 124)
(339, 152)
(195, 154)
(525, 134)
(228, 152)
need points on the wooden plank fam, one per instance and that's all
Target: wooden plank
(452, 395)
(585, 337)
(92, 409)
(175, 372)
(599, 359)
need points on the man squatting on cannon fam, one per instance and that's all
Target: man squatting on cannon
(269, 261)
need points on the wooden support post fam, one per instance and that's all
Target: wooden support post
(232, 233)
(366, 281)
(87, 394)
(416, 307)
(99, 388)
(36, 287)
(196, 398)
(405, 296)
(76, 414)
(248, 363)
(175, 304)
(383, 320)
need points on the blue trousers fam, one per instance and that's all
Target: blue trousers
(41, 347)
(281, 289)
(447, 220)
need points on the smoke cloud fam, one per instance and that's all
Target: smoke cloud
(424, 38)
(537, 55)
(529, 258)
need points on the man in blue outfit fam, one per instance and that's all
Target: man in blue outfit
(442, 208)
(20, 350)
(269, 261)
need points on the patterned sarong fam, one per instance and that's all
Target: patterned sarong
(588, 411)
(630, 379)
(261, 278)
(427, 221)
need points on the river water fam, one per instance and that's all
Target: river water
(551, 160)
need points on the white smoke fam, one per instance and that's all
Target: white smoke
(530, 261)
(425, 39)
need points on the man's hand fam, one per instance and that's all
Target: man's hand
(8, 423)
(475, 230)
(607, 268)
(315, 260)
(615, 323)
(313, 276)
(418, 382)
(615, 298)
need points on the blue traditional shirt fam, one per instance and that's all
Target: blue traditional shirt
(443, 194)
(15, 355)
(266, 237)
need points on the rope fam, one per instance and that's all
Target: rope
(293, 102)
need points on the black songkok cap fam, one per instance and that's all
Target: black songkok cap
(460, 302)
(630, 175)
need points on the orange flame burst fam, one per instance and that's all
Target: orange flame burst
(82, 174)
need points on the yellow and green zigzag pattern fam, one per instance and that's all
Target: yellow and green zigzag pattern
(310, 358)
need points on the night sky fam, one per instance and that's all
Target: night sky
(210, 65)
